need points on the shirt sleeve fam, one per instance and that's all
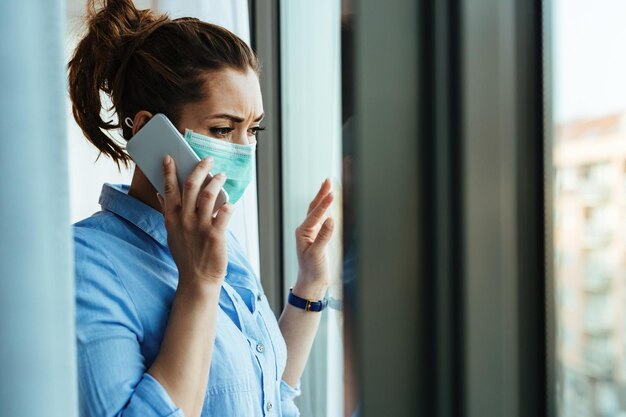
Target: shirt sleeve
(287, 396)
(112, 377)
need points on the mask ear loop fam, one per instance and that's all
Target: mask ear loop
(128, 122)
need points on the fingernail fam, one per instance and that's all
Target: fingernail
(167, 160)
(221, 175)
(209, 159)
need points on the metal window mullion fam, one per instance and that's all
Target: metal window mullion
(532, 210)
(265, 39)
(390, 321)
(444, 177)
(550, 283)
(505, 227)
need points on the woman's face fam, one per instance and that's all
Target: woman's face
(231, 110)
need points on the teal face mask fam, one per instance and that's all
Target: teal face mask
(234, 160)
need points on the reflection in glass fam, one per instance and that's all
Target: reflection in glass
(351, 397)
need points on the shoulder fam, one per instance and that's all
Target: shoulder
(100, 237)
(97, 225)
(93, 240)
(100, 294)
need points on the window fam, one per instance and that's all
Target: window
(311, 151)
(590, 103)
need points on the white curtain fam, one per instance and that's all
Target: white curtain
(231, 14)
(37, 353)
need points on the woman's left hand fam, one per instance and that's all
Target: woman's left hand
(312, 238)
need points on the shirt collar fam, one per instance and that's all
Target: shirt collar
(115, 198)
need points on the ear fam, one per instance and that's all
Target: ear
(141, 118)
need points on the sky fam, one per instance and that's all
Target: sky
(589, 58)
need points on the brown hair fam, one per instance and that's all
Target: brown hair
(144, 61)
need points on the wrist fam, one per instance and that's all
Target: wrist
(309, 291)
(199, 289)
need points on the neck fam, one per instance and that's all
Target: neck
(142, 190)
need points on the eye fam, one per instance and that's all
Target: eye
(221, 131)
(256, 129)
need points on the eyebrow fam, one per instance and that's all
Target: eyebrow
(233, 118)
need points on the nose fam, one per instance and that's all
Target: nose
(242, 138)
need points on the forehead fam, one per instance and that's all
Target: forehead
(232, 91)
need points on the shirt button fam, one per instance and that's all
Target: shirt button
(260, 348)
(259, 297)
(269, 407)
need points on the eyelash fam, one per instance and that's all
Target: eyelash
(257, 129)
(223, 131)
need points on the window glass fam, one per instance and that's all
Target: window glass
(311, 152)
(589, 157)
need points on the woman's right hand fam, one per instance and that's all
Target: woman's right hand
(196, 239)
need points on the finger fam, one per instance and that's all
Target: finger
(220, 222)
(208, 196)
(324, 189)
(316, 215)
(170, 186)
(193, 184)
(324, 235)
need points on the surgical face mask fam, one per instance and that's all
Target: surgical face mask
(234, 160)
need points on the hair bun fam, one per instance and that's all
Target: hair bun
(118, 29)
(115, 29)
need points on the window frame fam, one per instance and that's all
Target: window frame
(508, 181)
(265, 40)
(479, 317)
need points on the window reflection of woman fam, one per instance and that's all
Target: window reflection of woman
(171, 320)
(351, 372)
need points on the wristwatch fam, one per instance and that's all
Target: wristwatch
(307, 305)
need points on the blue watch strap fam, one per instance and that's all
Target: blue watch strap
(305, 304)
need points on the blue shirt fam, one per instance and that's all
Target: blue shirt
(125, 284)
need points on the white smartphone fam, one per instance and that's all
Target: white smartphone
(158, 138)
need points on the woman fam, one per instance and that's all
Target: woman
(171, 320)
